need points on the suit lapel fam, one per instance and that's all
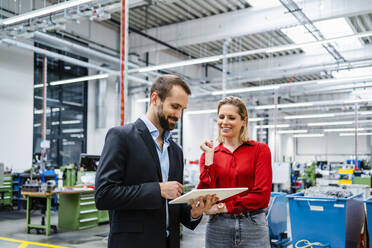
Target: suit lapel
(172, 162)
(149, 142)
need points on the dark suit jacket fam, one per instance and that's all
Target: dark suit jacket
(127, 184)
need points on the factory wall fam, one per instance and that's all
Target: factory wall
(331, 147)
(16, 107)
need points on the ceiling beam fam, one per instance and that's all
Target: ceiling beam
(244, 22)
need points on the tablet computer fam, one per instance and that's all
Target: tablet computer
(221, 193)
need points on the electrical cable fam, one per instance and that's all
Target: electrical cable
(307, 244)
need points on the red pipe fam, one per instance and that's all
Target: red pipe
(122, 58)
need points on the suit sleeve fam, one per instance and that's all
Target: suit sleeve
(259, 195)
(111, 192)
(185, 214)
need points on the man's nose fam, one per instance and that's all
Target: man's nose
(178, 114)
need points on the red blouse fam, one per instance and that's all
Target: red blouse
(248, 166)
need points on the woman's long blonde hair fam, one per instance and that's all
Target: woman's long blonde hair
(242, 111)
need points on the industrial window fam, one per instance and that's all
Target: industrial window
(66, 110)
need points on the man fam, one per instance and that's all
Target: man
(141, 168)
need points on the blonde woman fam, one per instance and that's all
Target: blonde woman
(237, 161)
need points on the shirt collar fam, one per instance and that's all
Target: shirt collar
(220, 147)
(153, 130)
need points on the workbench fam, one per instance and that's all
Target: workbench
(47, 227)
(77, 210)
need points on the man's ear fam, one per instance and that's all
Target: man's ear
(154, 98)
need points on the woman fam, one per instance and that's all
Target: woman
(238, 221)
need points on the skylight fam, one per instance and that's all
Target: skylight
(263, 4)
(330, 29)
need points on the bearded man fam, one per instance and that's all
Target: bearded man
(141, 168)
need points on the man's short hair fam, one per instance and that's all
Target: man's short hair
(163, 85)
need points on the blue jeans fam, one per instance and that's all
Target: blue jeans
(228, 231)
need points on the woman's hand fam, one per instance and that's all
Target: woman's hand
(219, 208)
(207, 147)
(205, 203)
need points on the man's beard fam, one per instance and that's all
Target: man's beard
(163, 120)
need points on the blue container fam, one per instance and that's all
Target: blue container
(277, 215)
(369, 219)
(333, 222)
(277, 220)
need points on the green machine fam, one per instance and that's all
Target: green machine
(6, 190)
(69, 175)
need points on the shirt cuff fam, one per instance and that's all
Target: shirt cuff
(195, 219)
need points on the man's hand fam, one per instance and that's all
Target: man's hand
(203, 205)
(171, 190)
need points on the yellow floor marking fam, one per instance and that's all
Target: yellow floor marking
(25, 243)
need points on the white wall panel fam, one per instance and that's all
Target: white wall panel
(16, 108)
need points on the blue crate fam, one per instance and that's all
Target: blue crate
(335, 223)
(277, 219)
(369, 219)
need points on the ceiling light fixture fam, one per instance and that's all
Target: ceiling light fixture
(79, 79)
(74, 80)
(246, 53)
(143, 100)
(178, 64)
(292, 131)
(342, 129)
(271, 126)
(248, 89)
(336, 123)
(353, 134)
(290, 117)
(286, 105)
(310, 135)
(43, 11)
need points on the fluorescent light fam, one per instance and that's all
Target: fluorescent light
(309, 135)
(286, 105)
(358, 100)
(292, 131)
(290, 117)
(255, 119)
(54, 123)
(80, 79)
(313, 124)
(344, 80)
(143, 100)
(197, 112)
(263, 4)
(178, 64)
(248, 89)
(365, 113)
(353, 134)
(342, 129)
(355, 72)
(73, 130)
(43, 11)
(271, 126)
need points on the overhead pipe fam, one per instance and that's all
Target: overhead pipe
(87, 51)
(69, 59)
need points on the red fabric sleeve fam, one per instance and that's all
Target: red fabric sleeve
(207, 175)
(258, 196)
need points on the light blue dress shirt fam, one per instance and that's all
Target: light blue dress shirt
(162, 153)
(163, 158)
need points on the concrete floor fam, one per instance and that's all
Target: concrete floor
(12, 226)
